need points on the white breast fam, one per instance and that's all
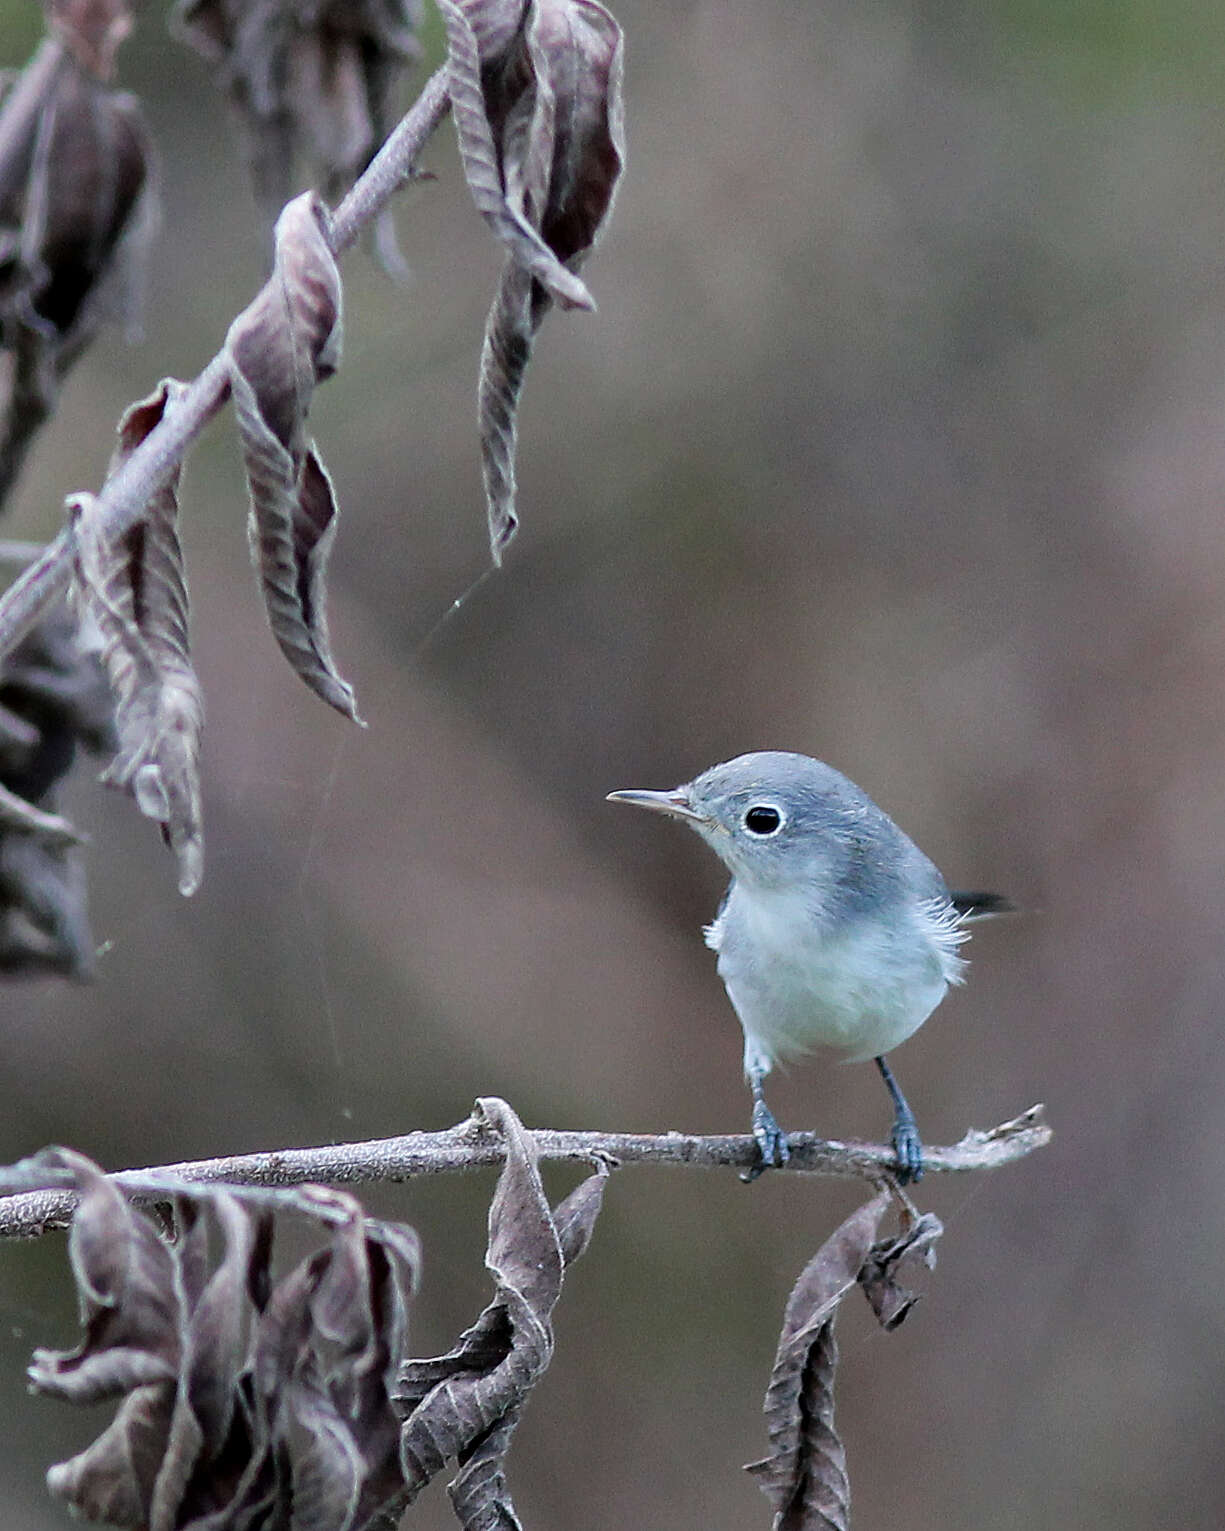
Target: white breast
(862, 987)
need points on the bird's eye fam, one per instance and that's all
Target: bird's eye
(762, 819)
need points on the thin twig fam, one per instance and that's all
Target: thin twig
(473, 1144)
(121, 502)
(13, 551)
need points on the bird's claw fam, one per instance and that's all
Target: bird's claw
(909, 1150)
(772, 1150)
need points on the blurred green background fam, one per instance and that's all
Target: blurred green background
(899, 439)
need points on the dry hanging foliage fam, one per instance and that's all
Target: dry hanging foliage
(536, 90)
(464, 1406)
(536, 95)
(890, 1259)
(250, 1401)
(239, 1395)
(243, 1396)
(53, 699)
(75, 218)
(135, 591)
(805, 1476)
(279, 348)
(313, 75)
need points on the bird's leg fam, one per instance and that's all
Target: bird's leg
(906, 1144)
(772, 1150)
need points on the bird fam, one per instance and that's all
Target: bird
(836, 931)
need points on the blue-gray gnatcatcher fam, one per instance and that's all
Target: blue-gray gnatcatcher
(836, 930)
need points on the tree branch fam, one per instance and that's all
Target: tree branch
(474, 1144)
(121, 502)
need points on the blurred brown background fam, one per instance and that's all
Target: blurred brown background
(899, 439)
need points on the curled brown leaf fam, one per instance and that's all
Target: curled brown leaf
(495, 139)
(279, 347)
(890, 1259)
(464, 1406)
(536, 93)
(804, 1477)
(124, 1274)
(75, 215)
(135, 591)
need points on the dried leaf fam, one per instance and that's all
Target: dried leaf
(329, 1342)
(134, 590)
(76, 211)
(479, 1493)
(575, 1216)
(92, 30)
(112, 1479)
(305, 75)
(482, 158)
(804, 1477)
(495, 24)
(125, 1282)
(344, 58)
(53, 698)
(577, 134)
(44, 909)
(215, 1344)
(538, 113)
(16, 813)
(138, 1471)
(889, 1259)
(359, 1314)
(245, 1402)
(505, 353)
(464, 1406)
(279, 348)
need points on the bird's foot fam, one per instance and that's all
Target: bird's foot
(908, 1148)
(772, 1150)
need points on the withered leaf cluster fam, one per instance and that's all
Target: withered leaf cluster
(239, 1395)
(535, 88)
(805, 1477)
(248, 1401)
(135, 592)
(75, 215)
(311, 76)
(53, 700)
(536, 96)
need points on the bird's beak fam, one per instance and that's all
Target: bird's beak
(675, 803)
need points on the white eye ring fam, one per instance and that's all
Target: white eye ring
(769, 819)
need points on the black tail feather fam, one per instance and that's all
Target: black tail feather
(980, 906)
